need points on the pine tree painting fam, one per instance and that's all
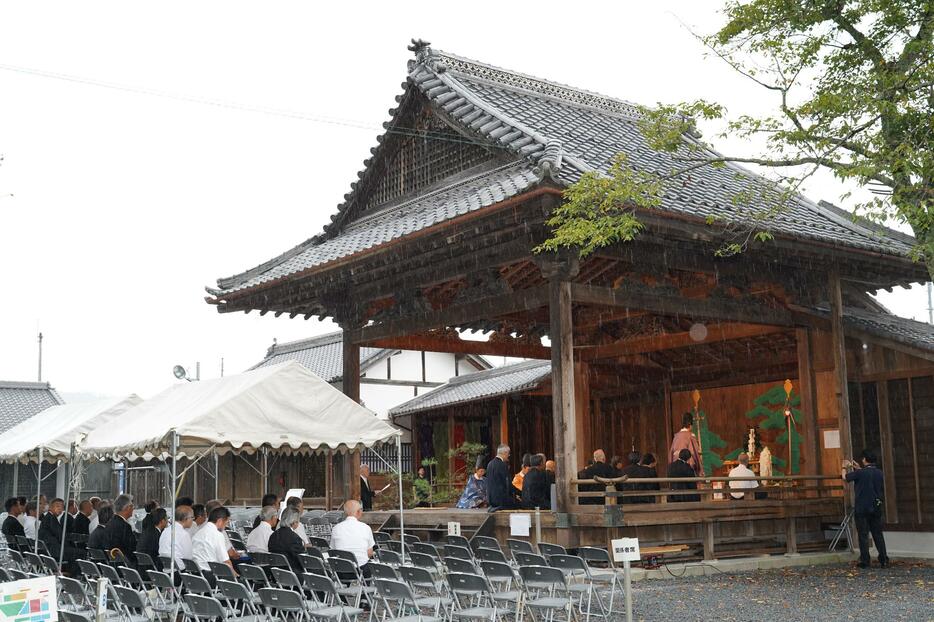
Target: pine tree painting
(770, 407)
(710, 441)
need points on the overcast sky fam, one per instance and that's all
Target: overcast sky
(126, 203)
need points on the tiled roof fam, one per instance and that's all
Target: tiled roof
(323, 355)
(21, 400)
(481, 385)
(556, 132)
(481, 189)
(902, 330)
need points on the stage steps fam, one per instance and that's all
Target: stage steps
(433, 526)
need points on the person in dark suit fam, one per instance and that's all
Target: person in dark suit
(98, 538)
(598, 468)
(634, 471)
(269, 499)
(82, 520)
(535, 489)
(119, 532)
(647, 470)
(11, 525)
(366, 492)
(284, 540)
(52, 532)
(682, 468)
(868, 505)
(499, 490)
(148, 542)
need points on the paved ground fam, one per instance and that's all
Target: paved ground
(904, 591)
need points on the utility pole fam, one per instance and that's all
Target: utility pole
(40, 354)
(930, 306)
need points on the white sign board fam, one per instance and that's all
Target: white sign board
(454, 528)
(831, 439)
(29, 600)
(520, 524)
(626, 550)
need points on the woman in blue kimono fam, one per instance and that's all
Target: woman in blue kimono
(474, 495)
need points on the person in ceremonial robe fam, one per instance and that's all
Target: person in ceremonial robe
(685, 439)
(474, 495)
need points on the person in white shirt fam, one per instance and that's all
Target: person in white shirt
(258, 540)
(183, 550)
(200, 518)
(355, 536)
(209, 544)
(31, 524)
(95, 522)
(742, 470)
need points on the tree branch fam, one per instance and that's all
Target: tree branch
(780, 162)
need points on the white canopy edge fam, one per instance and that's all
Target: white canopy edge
(282, 407)
(57, 427)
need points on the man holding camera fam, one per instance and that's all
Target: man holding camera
(867, 511)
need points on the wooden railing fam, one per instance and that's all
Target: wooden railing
(784, 488)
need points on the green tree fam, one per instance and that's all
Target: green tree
(770, 408)
(853, 84)
(710, 442)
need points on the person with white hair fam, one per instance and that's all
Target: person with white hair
(258, 540)
(354, 535)
(284, 540)
(182, 540)
(742, 470)
(500, 493)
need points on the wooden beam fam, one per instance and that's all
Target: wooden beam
(888, 452)
(914, 449)
(431, 343)
(646, 299)
(562, 374)
(806, 389)
(868, 337)
(454, 315)
(401, 383)
(654, 343)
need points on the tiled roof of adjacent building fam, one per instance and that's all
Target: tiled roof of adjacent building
(481, 385)
(21, 400)
(901, 330)
(323, 355)
(557, 132)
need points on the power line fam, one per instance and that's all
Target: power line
(276, 112)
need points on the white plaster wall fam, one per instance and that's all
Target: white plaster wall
(910, 544)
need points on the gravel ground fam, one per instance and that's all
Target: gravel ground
(904, 591)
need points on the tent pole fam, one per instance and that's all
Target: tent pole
(265, 472)
(216, 475)
(71, 462)
(38, 494)
(16, 478)
(174, 498)
(401, 505)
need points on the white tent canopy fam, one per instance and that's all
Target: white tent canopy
(281, 407)
(56, 428)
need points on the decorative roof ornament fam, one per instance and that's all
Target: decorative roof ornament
(551, 159)
(421, 48)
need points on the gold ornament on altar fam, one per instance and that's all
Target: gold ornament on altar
(751, 445)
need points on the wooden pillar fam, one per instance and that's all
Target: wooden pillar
(808, 406)
(914, 450)
(791, 536)
(350, 383)
(583, 421)
(839, 357)
(662, 453)
(503, 422)
(709, 552)
(562, 389)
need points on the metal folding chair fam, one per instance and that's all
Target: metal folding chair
(546, 591)
(457, 541)
(222, 571)
(286, 579)
(350, 577)
(548, 549)
(402, 605)
(455, 564)
(474, 589)
(388, 557)
(484, 542)
(519, 546)
(603, 571)
(491, 555)
(110, 573)
(381, 537)
(130, 603)
(502, 579)
(580, 582)
(382, 571)
(72, 592)
(239, 597)
(327, 599)
(283, 605)
(73, 616)
(529, 559)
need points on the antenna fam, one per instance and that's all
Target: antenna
(40, 357)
